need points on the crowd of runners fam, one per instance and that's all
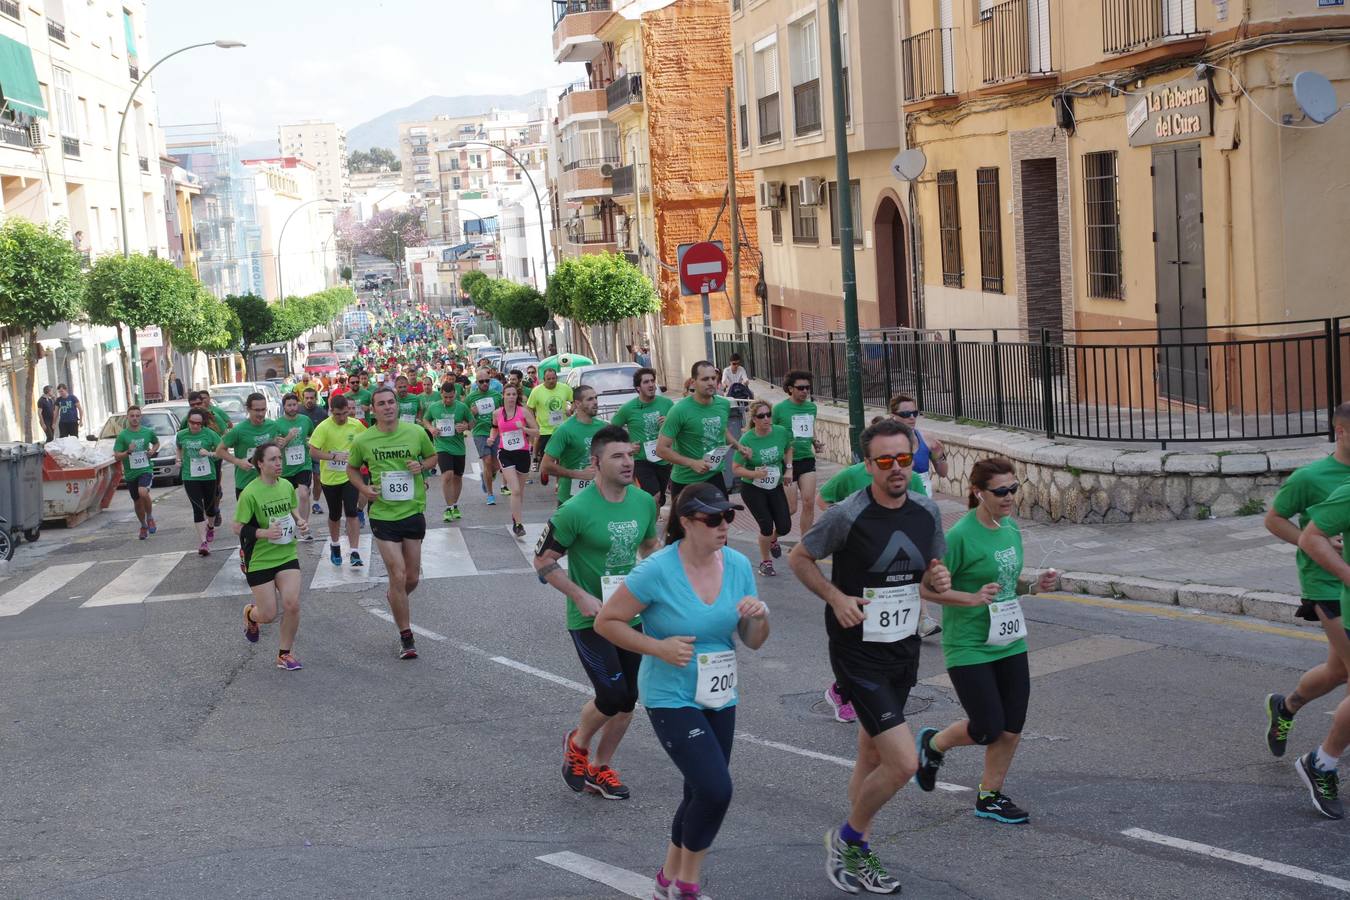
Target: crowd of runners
(655, 608)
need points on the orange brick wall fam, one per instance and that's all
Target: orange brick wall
(687, 68)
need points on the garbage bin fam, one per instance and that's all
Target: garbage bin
(21, 488)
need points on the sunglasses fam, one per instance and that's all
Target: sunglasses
(801, 387)
(712, 520)
(899, 459)
(912, 414)
(763, 415)
(1005, 491)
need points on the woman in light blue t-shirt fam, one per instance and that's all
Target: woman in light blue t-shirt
(695, 596)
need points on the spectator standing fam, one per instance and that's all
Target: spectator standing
(47, 412)
(69, 412)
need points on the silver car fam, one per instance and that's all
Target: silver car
(159, 418)
(613, 382)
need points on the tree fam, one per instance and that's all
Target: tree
(521, 307)
(254, 316)
(600, 288)
(214, 329)
(373, 160)
(40, 285)
(468, 280)
(346, 273)
(389, 231)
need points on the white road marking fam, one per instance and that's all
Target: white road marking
(446, 555)
(39, 587)
(531, 539)
(327, 575)
(229, 580)
(416, 629)
(1089, 545)
(625, 882)
(137, 581)
(1069, 655)
(1256, 862)
(540, 673)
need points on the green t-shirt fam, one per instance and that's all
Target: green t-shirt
(977, 556)
(800, 421)
(477, 404)
(695, 429)
(242, 440)
(262, 505)
(388, 454)
(409, 408)
(549, 406)
(570, 445)
(362, 400)
(642, 421)
(295, 460)
(138, 441)
(601, 538)
(1306, 487)
(854, 478)
(191, 445)
(449, 415)
(331, 437)
(1332, 516)
(766, 452)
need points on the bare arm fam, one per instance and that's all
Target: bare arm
(1282, 528)
(847, 610)
(612, 625)
(1321, 549)
(548, 568)
(665, 448)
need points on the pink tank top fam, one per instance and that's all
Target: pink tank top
(505, 426)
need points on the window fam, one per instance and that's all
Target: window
(65, 103)
(855, 196)
(742, 99)
(766, 89)
(991, 230)
(1101, 207)
(805, 48)
(804, 226)
(735, 6)
(776, 225)
(949, 227)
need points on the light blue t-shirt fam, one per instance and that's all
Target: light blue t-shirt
(672, 608)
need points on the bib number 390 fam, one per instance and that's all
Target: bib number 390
(716, 679)
(396, 486)
(1006, 622)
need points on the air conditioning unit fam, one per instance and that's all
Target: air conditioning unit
(607, 170)
(36, 137)
(770, 194)
(811, 191)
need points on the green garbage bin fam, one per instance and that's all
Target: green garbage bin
(21, 488)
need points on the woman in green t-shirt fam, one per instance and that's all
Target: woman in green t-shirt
(265, 523)
(197, 463)
(984, 639)
(763, 474)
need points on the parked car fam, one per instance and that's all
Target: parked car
(160, 419)
(613, 383)
(241, 390)
(325, 363)
(474, 341)
(345, 350)
(521, 361)
(233, 406)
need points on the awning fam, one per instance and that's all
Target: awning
(19, 89)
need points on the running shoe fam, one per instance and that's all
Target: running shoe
(1277, 729)
(841, 862)
(335, 554)
(407, 650)
(491, 500)
(576, 764)
(929, 760)
(506, 491)
(872, 875)
(776, 549)
(216, 522)
(306, 537)
(455, 513)
(928, 627)
(448, 516)
(361, 517)
(210, 534)
(843, 710)
(994, 805)
(150, 524)
(203, 550)
(1325, 787)
(250, 627)
(356, 560)
(766, 568)
(145, 533)
(605, 781)
(316, 509)
(288, 662)
(518, 529)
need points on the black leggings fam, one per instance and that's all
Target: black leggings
(340, 499)
(698, 741)
(204, 498)
(770, 508)
(994, 696)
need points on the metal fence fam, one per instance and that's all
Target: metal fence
(1234, 383)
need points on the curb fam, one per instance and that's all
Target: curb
(1270, 606)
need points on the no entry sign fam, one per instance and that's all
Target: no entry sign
(703, 267)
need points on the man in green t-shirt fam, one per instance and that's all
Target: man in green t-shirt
(409, 404)
(603, 530)
(292, 431)
(798, 415)
(482, 402)
(397, 453)
(447, 419)
(643, 416)
(240, 441)
(136, 446)
(330, 443)
(361, 398)
(569, 451)
(550, 404)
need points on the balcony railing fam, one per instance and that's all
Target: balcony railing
(10, 8)
(56, 31)
(134, 71)
(770, 121)
(1015, 40)
(145, 163)
(70, 146)
(927, 58)
(1130, 24)
(622, 91)
(15, 135)
(624, 183)
(564, 8)
(589, 162)
(806, 107)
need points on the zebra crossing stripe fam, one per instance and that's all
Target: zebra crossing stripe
(39, 587)
(327, 575)
(137, 581)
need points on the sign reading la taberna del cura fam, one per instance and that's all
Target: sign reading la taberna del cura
(1176, 111)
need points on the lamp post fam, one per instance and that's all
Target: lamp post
(543, 236)
(281, 291)
(121, 188)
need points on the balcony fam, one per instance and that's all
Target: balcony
(1015, 41)
(585, 178)
(927, 61)
(70, 146)
(593, 162)
(1129, 25)
(580, 99)
(9, 8)
(623, 91)
(134, 71)
(56, 31)
(15, 135)
(806, 107)
(624, 181)
(145, 163)
(576, 29)
(770, 119)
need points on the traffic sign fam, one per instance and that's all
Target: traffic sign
(703, 267)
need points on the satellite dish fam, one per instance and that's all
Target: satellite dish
(909, 164)
(1315, 96)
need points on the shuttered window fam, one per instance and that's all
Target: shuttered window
(991, 230)
(805, 228)
(949, 228)
(1101, 211)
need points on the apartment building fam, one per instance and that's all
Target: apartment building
(417, 140)
(289, 208)
(323, 145)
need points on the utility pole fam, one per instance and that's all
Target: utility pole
(735, 223)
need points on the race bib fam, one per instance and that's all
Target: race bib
(396, 486)
(772, 474)
(578, 485)
(555, 417)
(407, 417)
(337, 464)
(649, 448)
(445, 427)
(892, 613)
(716, 679)
(927, 479)
(484, 406)
(139, 459)
(715, 456)
(1006, 622)
(513, 440)
(199, 467)
(804, 425)
(287, 523)
(295, 454)
(608, 585)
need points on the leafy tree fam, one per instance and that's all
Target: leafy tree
(215, 328)
(469, 279)
(599, 289)
(521, 307)
(254, 316)
(390, 231)
(346, 273)
(40, 285)
(373, 160)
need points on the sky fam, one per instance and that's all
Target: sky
(342, 60)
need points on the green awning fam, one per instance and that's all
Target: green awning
(19, 89)
(131, 34)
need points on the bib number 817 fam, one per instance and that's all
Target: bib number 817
(892, 618)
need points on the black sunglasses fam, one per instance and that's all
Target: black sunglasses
(801, 387)
(1005, 491)
(763, 415)
(908, 415)
(712, 520)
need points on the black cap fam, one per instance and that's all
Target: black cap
(704, 497)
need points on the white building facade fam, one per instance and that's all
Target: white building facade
(323, 145)
(290, 209)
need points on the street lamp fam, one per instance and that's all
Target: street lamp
(281, 291)
(543, 237)
(121, 189)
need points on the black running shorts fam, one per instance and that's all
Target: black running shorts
(413, 528)
(878, 696)
(1308, 609)
(651, 477)
(300, 479)
(450, 462)
(265, 576)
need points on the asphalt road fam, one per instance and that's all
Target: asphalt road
(147, 750)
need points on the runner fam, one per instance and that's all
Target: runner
(361, 399)
(695, 437)
(244, 438)
(643, 416)
(265, 523)
(1305, 488)
(292, 433)
(409, 404)
(763, 474)
(603, 532)
(448, 420)
(396, 454)
(136, 446)
(569, 451)
(984, 643)
(512, 427)
(886, 547)
(695, 596)
(798, 415)
(482, 403)
(929, 458)
(197, 463)
(330, 443)
(316, 414)
(550, 404)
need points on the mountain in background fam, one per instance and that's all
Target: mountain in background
(382, 131)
